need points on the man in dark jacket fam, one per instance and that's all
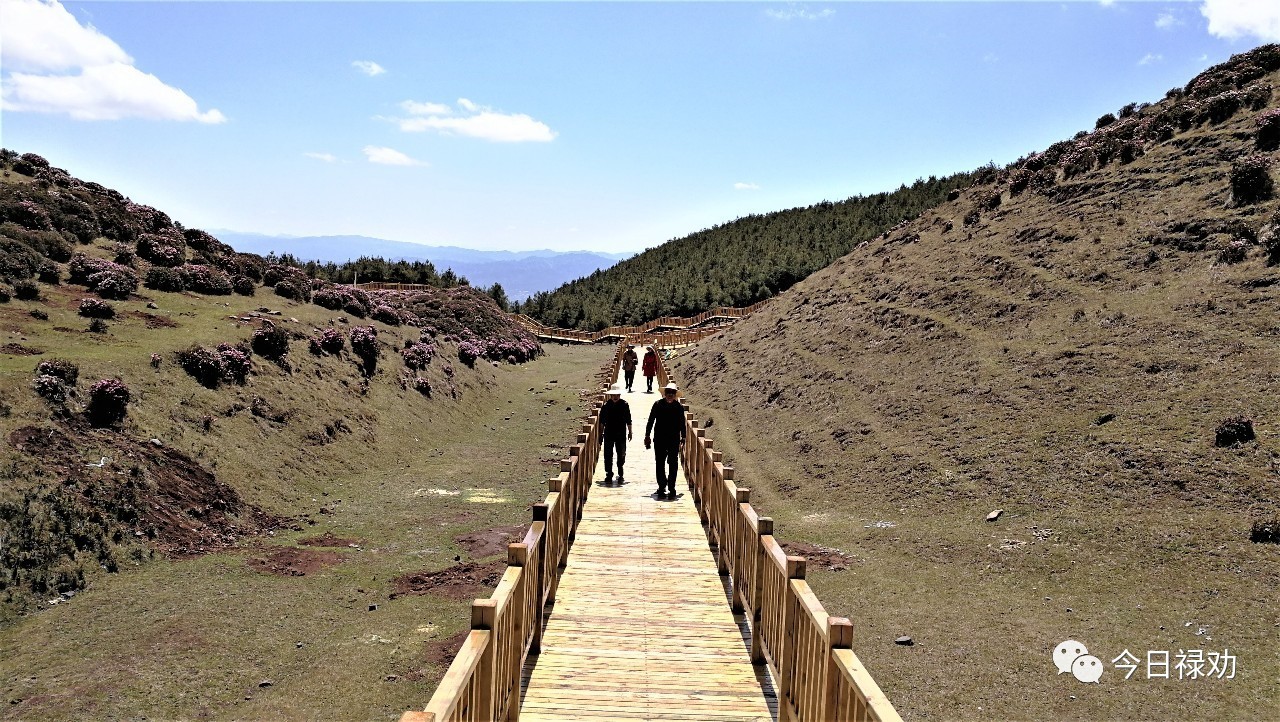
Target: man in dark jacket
(666, 421)
(629, 362)
(615, 431)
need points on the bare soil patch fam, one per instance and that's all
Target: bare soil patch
(17, 349)
(438, 654)
(820, 557)
(490, 542)
(155, 321)
(292, 562)
(158, 493)
(467, 580)
(327, 539)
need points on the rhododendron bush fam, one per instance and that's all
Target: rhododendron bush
(108, 402)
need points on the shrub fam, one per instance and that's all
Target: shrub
(97, 325)
(48, 273)
(332, 341)
(1233, 251)
(386, 314)
(35, 312)
(422, 386)
(418, 354)
(29, 163)
(469, 351)
(242, 285)
(1251, 180)
(1269, 237)
(291, 290)
(114, 283)
(1105, 120)
(236, 362)
(6, 294)
(164, 279)
(1234, 431)
(108, 402)
(124, 254)
(26, 290)
(205, 279)
(163, 250)
(203, 364)
(198, 240)
(155, 360)
(1268, 123)
(50, 388)
(67, 371)
(96, 308)
(364, 342)
(271, 342)
(972, 217)
(1265, 532)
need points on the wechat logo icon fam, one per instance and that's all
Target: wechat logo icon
(1072, 656)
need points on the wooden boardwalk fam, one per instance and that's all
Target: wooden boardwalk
(642, 628)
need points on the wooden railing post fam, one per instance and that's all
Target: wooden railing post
(839, 636)
(735, 590)
(764, 528)
(484, 614)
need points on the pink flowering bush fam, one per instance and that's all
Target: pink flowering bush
(160, 278)
(364, 342)
(155, 360)
(96, 308)
(213, 366)
(242, 285)
(343, 298)
(1251, 180)
(418, 354)
(271, 342)
(50, 388)
(422, 386)
(332, 341)
(1268, 124)
(67, 371)
(162, 250)
(469, 351)
(109, 280)
(205, 279)
(1269, 238)
(108, 402)
(236, 362)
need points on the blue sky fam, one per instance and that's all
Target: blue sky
(602, 126)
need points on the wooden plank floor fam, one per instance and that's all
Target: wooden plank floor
(641, 628)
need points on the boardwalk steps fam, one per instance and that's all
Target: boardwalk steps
(618, 608)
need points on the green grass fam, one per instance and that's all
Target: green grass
(193, 638)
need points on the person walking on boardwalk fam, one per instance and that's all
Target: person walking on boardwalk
(666, 422)
(629, 362)
(615, 431)
(650, 368)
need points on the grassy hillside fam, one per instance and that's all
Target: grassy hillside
(735, 264)
(1064, 341)
(230, 546)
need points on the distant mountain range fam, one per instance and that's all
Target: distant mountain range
(521, 273)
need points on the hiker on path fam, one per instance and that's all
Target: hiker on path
(666, 421)
(615, 430)
(650, 368)
(629, 362)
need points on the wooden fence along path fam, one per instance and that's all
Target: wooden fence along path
(615, 606)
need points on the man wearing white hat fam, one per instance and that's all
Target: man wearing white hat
(615, 430)
(666, 421)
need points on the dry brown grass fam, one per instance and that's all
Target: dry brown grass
(933, 376)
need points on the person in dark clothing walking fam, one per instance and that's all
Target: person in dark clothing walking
(650, 368)
(666, 421)
(629, 362)
(615, 431)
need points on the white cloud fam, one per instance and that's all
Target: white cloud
(798, 12)
(413, 108)
(56, 65)
(1151, 58)
(1234, 19)
(326, 157)
(1167, 21)
(388, 156)
(746, 187)
(43, 36)
(1106, 3)
(103, 92)
(368, 67)
(480, 122)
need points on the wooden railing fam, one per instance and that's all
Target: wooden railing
(483, 682)
(630, 333)
(809, 652)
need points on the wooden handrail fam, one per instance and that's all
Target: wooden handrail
(650, 330)
(809, 652)
(483, 681)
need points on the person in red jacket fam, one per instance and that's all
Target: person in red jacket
(650, 367)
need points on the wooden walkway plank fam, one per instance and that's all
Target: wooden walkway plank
(641, 628)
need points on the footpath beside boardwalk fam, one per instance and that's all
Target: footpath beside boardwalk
(642, 627)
